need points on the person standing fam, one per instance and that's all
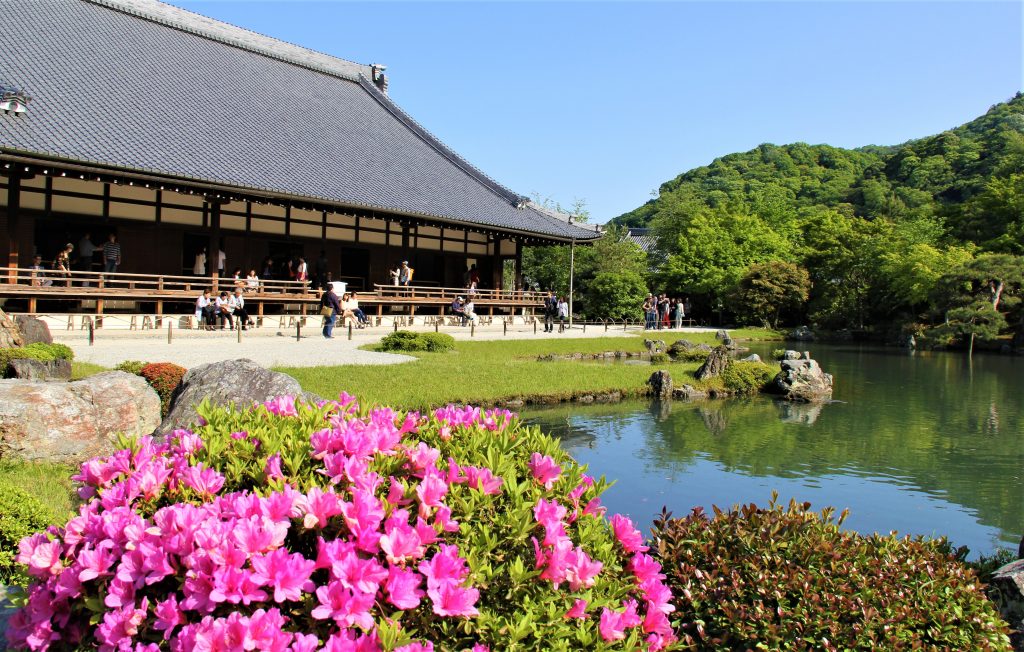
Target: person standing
(85, 251)
(405, 274)
(680, 313)
(199, 266)
(222, 260)
(550, 311)
(394, 274)
(563, 313)
(330, 308)
(650, 311)
(320, 271)
(111, 254)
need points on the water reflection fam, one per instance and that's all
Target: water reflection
(924, 444)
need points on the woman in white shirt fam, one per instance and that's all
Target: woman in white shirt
(252, 282)
(199, 266)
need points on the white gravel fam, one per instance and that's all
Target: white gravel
(271, 346)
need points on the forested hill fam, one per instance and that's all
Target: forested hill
(844, 215)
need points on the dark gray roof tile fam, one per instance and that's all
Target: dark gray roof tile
(141, 85)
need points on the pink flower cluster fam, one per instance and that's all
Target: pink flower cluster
(212, 571)
(562, 561)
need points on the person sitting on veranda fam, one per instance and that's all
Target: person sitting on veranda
(224, 311)
(62, 263)
(38, 277)
(459, 310)
(206, 311)
(236, 303)
(360, 315)
(347, 309)
(469, 312)
(237, 278)
(252, 282)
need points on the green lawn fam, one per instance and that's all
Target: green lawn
(47, 481)
(80, 370)
(490, 371)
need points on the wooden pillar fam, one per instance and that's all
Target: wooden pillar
(13, 232)
(158, 244)
(213, 251)
(247, 242)
(519, 264)
(405, 242)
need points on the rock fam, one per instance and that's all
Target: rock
(655, 346)
(722, 335)
(7, 609)
(28, 369)
(33, 330)
(801, 413)
(753, 357)
(586, 398)
(688, 392)
(10, 336)
(71, 422)
(609, 397)
(716, 363)
(791, 355)
(242, 382)
(802, 380)
(1007, 591)
(680, 347)
(802, 334)
(661, 384)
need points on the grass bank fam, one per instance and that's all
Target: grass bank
(488, 372)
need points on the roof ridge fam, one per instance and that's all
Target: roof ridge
(233, 35)
(505, 193)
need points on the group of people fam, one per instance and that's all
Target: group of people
(65, 261)
(402, 274)
(226, 309)
(465, 311)
(555, 307)
(662, 312)
(347, 307)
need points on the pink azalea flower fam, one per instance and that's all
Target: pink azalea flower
(363, 517)
(304, 643)
(580, 570)
(416, 647)
(479, 647)
(656, 622)
(287, 574)
(319, 506)
(452, 600)
(578, 610)
(204, 480)
(96, 562)
(443, 519)
(272, 469)
(396, 492)
(657, 595)
(41, 555)
(627, 535)
(403, 588)
(544, 470)
(400, 541)
(644, 568)
(266, 630)
(168, 616)
(423, 456)
(431, 491)
(259, 534)
(283, 406)
(610, 626)
(445, 567)
(483, 480)
(358, 574)
(345, 607)
(120, 625)
(235, 585)
(594, 508)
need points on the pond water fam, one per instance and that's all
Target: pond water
(923, 443)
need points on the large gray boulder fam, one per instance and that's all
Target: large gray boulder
(239, 382)
(801, 334)
(716, 363)
(72, 422)
(28, 369)
(661, 384)
(33, 330)
(1007, 587)
(10, 336)
(802, 380)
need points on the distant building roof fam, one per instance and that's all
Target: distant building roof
(143, 86)
(644, 238)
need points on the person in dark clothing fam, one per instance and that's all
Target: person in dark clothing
(550, 312)
(330, 308)
(320, 271)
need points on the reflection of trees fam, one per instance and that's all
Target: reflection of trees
(929, 418)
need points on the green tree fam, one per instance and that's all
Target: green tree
(770, 291)
(975, 299)
(615, 295)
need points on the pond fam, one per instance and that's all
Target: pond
(922, 443)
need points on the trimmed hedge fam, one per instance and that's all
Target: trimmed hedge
(787, 578)
(21, 514)
(409, 341)
(747, 377)
(164, 377)
(37, 351)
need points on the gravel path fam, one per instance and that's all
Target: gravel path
(270, 347)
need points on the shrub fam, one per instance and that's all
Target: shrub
(693, 355)
(746, 377)
(164, 377)
(437, 341)
(409, 341)
(344, 526)
(21, 514)
(788, 578)
(37, 351)
(131, 367)
(778, 354)
(660, 358)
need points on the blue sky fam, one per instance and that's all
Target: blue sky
(604, 101)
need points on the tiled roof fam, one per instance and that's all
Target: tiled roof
(644, 238)
(143, 86)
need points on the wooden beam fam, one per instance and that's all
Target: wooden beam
(13, 222)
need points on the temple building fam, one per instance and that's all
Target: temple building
(176, 132)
